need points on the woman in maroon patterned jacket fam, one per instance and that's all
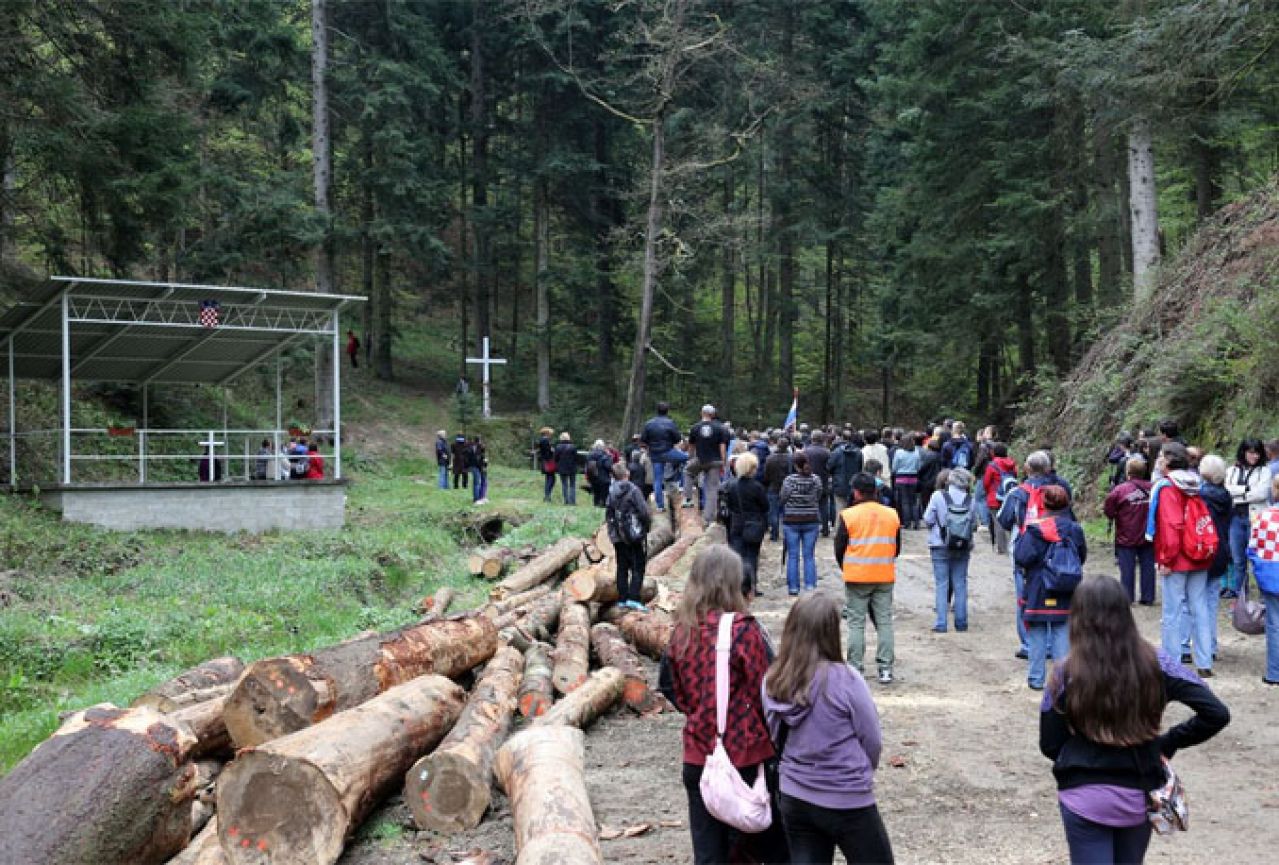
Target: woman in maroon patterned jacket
(688, 681)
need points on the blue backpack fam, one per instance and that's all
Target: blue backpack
(963, 455)
(1063, 571)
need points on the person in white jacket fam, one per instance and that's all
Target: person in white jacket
(1248, 483)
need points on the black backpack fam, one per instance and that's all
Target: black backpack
(623, 520)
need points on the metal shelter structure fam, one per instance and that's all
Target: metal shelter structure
(79, 329)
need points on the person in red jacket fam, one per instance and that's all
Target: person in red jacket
(353, 348)
(1000, 468)
(1128, 507)
(314, 463)
(1185, 578)
(687, 679)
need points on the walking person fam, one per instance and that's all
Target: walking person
(747, 502)
(628, 520)
(776, 469)
(709, 441)
(1127, 506)
(1021, 505)
(661, 437)
(1000, 478)
(546, 462)
(1263, 548)
(599, 473)
(687, 679)
(1185, 547)
(801, 521)
(867, 543)
(1212, 472)
(1248, 483)
(818, 460)
(1051, 551)
(442, 458)
(566, 467)
(458, 453)
(951, 519)
(1099, 723)
(906, 482)
(845, 461)
(353, 348)
(478, 463)
(822, 711)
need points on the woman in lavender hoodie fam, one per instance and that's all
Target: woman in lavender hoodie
(821, 714)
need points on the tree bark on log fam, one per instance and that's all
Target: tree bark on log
(543, 773)
(682, 566)
(537, 694)
(110, 786)
(448, 790)
(688, 522)
(660, 565)
(204, 848)
(295, 800)
(495, 609)
(572, 647)
(613, 650)
(541, 569)
(207, 723)
(591, 699)
(490, 564)
(438, 603)
(536, 625)
(598, 584)
(660, 536)
(603, 542)
(650, 632)
(205, 682)
(278, 696)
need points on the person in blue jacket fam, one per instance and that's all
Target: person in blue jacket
(1046, 612)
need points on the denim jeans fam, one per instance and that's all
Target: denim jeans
(814, 832)
(444, 477)
(549, 486)
(1019, 586)
(1212, 598)
(479, 485)
(873, 601)
(774, 515)
(1129, 560)
(1240, 531)
(801, 540)
(659, 473)
(1187, 589)
(1272, 636)
(1044, 637)
(568, 485)
(1091, 842)
(980, 509)
(950, 571)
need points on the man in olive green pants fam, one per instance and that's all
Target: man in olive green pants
(867, 543)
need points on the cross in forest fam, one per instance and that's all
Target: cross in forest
(487, 361)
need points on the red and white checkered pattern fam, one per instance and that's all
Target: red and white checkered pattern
(209, 312)
(1265, 535)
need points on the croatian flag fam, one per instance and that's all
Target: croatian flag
(792, 416)
(210, 310)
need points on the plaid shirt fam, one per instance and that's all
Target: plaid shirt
(691, 669)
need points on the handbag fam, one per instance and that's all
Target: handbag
(549, 466)
(1168, 810)
(1248, 617)
(726, 796)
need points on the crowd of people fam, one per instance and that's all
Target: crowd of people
(298, 459)
(467, 460)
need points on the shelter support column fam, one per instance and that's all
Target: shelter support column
(66, 389)
(337, 399)
(142, 435)
(13, 424)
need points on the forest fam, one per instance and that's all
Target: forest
(894, 207)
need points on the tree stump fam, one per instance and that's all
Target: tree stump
(448, 790)
(542, 771)
(110, 786)
(537, 693)
(211, 679)
(295, 800)
(588, 701)
(278, 696)
(572, 647)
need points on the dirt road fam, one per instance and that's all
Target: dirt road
(973, 787)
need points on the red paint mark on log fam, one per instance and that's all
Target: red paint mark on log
(262, 845)
(163, 739)
(244, 842)
(233, 831)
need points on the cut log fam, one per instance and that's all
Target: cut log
(543, 773)
(536, 691)
(110, 786)
(649, 632)
(688, 522)
(448, 790)
(572, 647)
(588, 701)
(206, 777)
(204, 849)
(207, 723)
(598, 584)
(680, 570)
(613, 650)
(660, 536)
(660, 565)
(295, 800)
(205, 682)
(436, 604)
(541, 569)
(603, 543)
(491, 563)
(495, 609)
(537, 624)
(278, 696)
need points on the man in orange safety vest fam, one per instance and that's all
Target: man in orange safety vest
(867, 544)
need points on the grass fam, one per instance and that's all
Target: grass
(94, 616)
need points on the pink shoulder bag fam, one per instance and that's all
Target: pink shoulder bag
(726, 796)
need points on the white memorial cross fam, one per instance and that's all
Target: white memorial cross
(211, 446)
(486, 362)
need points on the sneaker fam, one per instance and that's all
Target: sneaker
(688, 504)
(938, 629)
(661, 510)
(961, 628)
(885, 677)
(1023, 654)
(1204, 674)
(1269, 681)
(1186, 659)
(1034, 687)
(638, 607)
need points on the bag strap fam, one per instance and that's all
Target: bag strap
(723, 648)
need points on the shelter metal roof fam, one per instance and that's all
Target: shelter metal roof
(151, 332)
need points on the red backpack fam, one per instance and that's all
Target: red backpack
(1034, 505)
(1199, 539)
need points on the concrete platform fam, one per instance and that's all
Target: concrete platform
(228, 507)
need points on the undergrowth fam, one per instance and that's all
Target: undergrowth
(88, 616)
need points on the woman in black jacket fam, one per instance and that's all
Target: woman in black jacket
(747, 502)
(1099, 723)
(566, 467)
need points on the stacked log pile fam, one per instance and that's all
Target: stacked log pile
(324, 736)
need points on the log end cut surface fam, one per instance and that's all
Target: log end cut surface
(273, 699)
(286, 812)
(446, 793)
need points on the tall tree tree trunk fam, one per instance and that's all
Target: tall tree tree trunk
(481, 260)
(8, 185)
(1206, 157)
(541, 246)
(786, 228)
(1143, 205)
(367, 244)
(728, 289)
(1026, 327)
(322, 178)
(1110, 220)
(607, 216)
(385, 315)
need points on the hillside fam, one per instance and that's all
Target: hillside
(1205, 351)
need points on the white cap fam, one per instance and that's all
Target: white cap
(708, 409)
